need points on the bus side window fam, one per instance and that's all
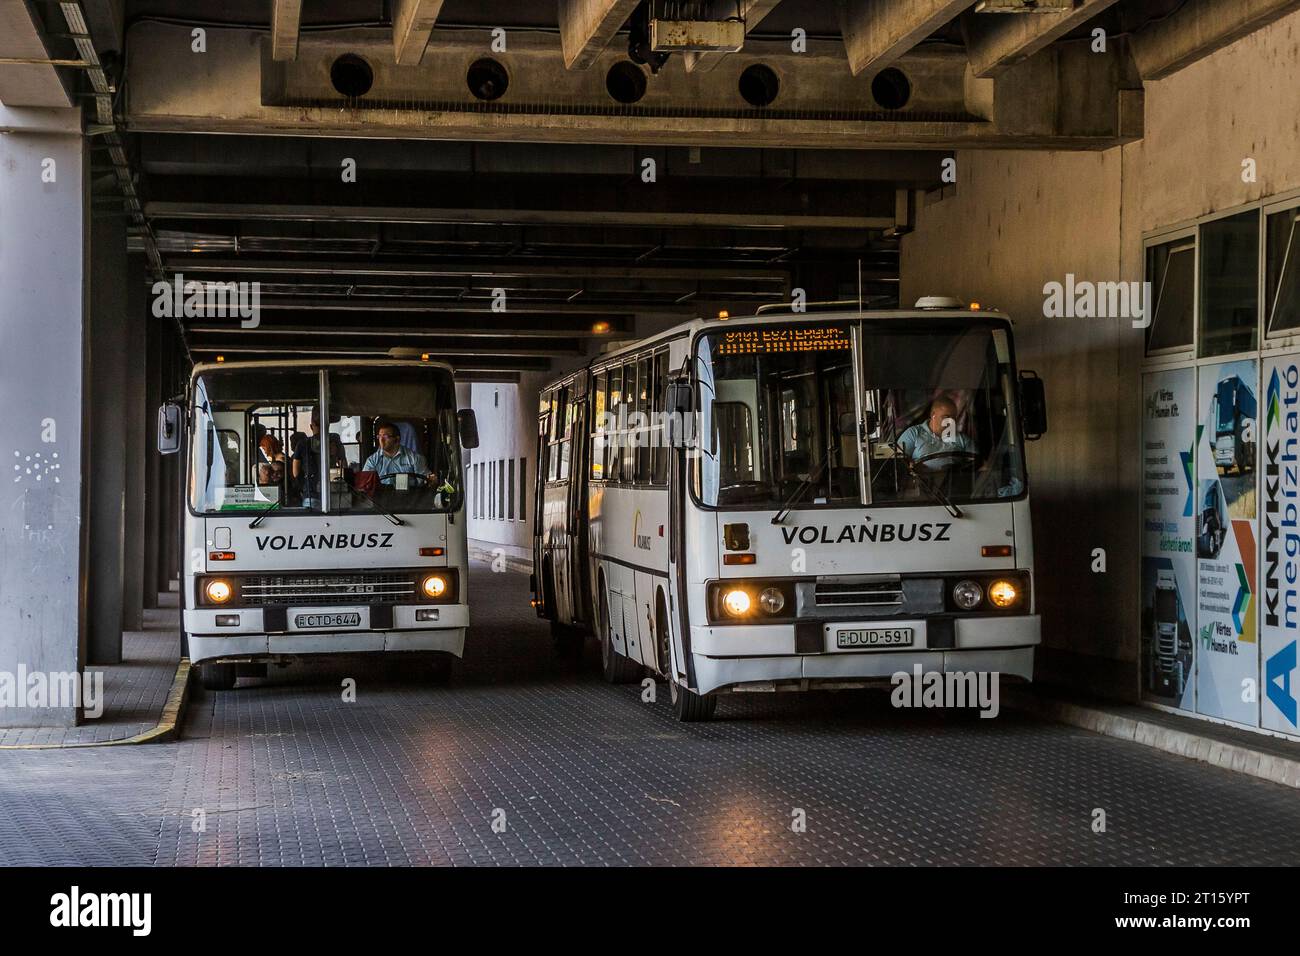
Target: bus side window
(627, 470)
(659, 452)
(615, 440)
(598, 436)
(643, 408)
(566, 435)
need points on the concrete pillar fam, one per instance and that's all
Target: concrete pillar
(152, 460)
(43, 213)
(105, 436)
(137, 450)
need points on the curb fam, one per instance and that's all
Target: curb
(163, 731)
(1274, 768)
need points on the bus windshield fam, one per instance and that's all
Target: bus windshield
(390, 444)
(793, 414)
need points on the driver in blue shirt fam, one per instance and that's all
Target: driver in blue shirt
(935, 435)
(392, 458)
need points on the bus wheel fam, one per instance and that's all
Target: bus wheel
(217, 676)
(690, 707)
(616, 668)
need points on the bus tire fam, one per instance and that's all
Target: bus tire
(690, 707)
(615, 668)
(217, 676)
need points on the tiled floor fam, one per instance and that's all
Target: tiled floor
(575, 772)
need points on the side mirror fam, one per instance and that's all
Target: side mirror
(468, 426)
(680, 398)
(1033, 406)
(169, 428)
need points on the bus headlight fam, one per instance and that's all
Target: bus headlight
(1003, 593)
(736, 602)
(218, 591)
(771, 600)
(435, 586)
(967, 595)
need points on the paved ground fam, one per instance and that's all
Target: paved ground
(134, 691)
(285, 772)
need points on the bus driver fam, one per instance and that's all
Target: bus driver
(935, 435)
(392, 458)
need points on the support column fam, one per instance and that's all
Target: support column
(152, 460)
(137, 450)
(43, 212)
(105, 436)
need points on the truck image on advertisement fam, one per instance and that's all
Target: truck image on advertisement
(1234, 426)
(1167, 672)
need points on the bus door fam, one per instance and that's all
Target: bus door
(579, 576)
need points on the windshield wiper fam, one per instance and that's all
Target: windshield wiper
(383, 511)
(923, 481)
(813, 476)
(262, 517)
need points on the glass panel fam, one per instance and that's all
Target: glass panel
(393, 441)
(1229, 302)
(659, 455)
(627, 470)
(1282, 270)
(612, 438)
(781, 426)
(246, 424)
(1171, 270)
(644, 436)
(598, 441)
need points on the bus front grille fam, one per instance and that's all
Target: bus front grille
(863, 592)
(277, 590)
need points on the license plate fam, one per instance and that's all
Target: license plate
(857, 638)
(327, 620)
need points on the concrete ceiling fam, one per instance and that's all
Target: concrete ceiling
(775, 167)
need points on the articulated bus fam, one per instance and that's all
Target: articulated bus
(300, 539)
(790, 501)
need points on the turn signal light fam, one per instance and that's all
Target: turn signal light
(221, 555)
(996, 551)
(432, 552)
(739, 559)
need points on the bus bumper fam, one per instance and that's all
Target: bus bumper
(993, 644)
(247, 639)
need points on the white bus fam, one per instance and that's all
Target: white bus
(301, 539)
(789, 501)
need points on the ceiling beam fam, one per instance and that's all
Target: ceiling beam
(503, 328)
(753, 11)
(877, 33)
(37, 83)
(285, 18)
(996, 42)
(1196, 30)
(492, 217)
(199, 264)
(413, 22)
(588, 26)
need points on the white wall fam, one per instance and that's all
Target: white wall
(507, 422)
